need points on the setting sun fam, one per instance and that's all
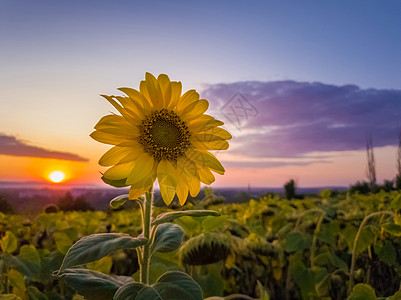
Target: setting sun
(57, 176)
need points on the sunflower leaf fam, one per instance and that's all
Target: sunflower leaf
(172, 285)
(362, 291)
(94, 285)
(8, 243)
(129, 291)
(116, 183)
(168, 238)
(119, 201)
(175, 285)
(170, 216)
(97, 246)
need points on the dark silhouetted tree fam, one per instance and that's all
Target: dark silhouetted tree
(371, 169)
(361, 187)
(65, 203)
(398, 177)
(290, 189)
(388, 186)
(5, 206)
(80, 203)
(68, 203)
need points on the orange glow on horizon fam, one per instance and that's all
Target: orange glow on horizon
(30, 169)
(336, 169)
(57, 176)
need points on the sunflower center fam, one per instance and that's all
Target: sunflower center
(164, 135)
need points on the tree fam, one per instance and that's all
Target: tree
(5, 206)
(81, 204)
(398, 177)
(289, 189)
(371, 170)
(68, 203)
(361, 187)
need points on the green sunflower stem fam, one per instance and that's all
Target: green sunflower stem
(147, 220)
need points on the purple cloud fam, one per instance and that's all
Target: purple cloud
(10, 145)
(292, 119)
(268, 164)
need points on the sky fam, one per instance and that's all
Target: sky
(301, 85)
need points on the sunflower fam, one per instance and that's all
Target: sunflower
(160, 134)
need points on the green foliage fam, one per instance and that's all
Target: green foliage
(295, 241)
(94, 285)
(119, 201)
(386, 252)
(325, 194)
(170, 286)
(204, 249)
(170, 216)
(116, 183)
(398, 182)
(264, 295)
(16, 279)
(270, 240)
(97, 246)
(168, 238)
(362, 292)
(8, 242)
(360, 187)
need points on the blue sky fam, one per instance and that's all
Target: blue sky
(336, 42)
(56, 57)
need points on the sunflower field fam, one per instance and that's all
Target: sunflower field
(268, 248)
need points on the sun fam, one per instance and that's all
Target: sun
(57, 176)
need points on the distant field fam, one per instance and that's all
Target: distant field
(297, 249)
(30, 198)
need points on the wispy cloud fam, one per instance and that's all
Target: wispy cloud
(267, 164)
(10, 145)
(294, 119)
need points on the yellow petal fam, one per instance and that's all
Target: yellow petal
(219, 132)
(205, 175)
(186, 99)
(166, 175)
(205, 159)
(106, 138)
(182, 188)
(165, 86)
(195, 110)
(142, 169)
(147, 181)
(135, 193)
(194, 186)
(119, 171)
(154, 91)
(125, 130)
(131, 143)
(164, 81)
(212, 145)
(115, 155)
(134, 153)
(113, 102)
(176, 90)
(144, 91)
(110, 120)
(133, 108)
(203, 123)
(205, 137)
(189, 170)
(138, 98)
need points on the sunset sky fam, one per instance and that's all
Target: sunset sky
(299, 84)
